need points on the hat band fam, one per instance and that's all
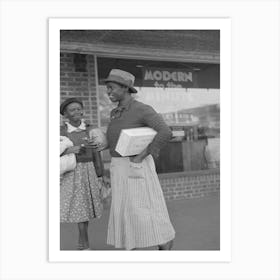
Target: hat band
(118, 79)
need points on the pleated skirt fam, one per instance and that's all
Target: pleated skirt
(138, 215)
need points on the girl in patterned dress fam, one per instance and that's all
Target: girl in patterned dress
(79, 189)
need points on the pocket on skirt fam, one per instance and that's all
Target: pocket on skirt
(135, 170)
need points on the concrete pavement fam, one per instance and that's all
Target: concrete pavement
(196, 222)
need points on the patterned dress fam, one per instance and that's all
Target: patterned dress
(80, 189)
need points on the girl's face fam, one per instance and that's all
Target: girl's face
(74, 111)
(116, 92)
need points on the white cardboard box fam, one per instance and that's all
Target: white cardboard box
(133, 141)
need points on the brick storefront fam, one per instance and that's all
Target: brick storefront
(78, 78)
(75, 83)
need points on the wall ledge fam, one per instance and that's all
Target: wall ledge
(189, 173)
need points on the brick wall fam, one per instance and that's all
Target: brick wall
(190, 185)
(80, 84)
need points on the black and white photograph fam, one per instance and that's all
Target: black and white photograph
(167, 115)
(140, 139)
(173, 100)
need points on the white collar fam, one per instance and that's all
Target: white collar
(71, 128)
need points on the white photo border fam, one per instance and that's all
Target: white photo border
(222, 24)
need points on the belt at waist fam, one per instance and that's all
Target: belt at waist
(83, 159)
(115, 154)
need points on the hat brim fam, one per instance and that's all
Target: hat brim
(67, 102)
(131, 89)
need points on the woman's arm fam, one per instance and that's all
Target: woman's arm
(152, 119)
(139, 158)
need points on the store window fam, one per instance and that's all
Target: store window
(187, 96)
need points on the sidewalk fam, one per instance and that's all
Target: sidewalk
(196, 222)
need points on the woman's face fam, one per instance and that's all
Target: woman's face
(74, 111)
(116, 92)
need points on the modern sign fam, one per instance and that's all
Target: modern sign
(167, 78)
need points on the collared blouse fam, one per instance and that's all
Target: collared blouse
(78, 135)
(137, 114)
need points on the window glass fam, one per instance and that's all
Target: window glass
(190, 110)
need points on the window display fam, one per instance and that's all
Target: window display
(187, 96)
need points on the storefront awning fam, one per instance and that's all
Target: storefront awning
(169, 45)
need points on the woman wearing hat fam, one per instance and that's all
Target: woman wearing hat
(80, 188)
(138, 214)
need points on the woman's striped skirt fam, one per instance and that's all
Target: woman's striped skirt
(138, 215)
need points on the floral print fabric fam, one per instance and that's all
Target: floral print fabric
(80, 194)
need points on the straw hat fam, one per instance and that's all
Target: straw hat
(122, 77)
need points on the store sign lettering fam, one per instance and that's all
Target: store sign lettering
(167, 78)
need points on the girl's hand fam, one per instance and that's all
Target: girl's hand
(94, 145)
(74, 150)
(92, 142)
